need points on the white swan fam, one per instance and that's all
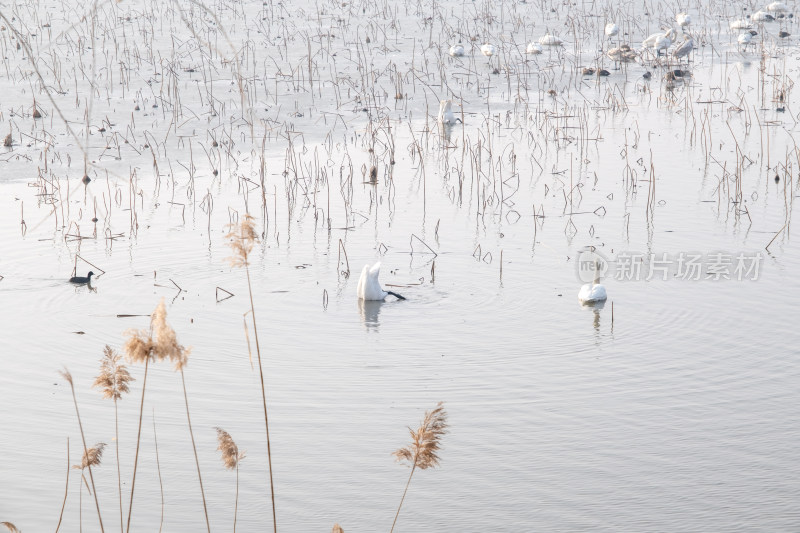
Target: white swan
(533, 48)
(760, 16)
(592, 292)
(684, 49)
(446, 115)
(487, 50)
(611, 29)
(741, 24)
(550, 40)
(683, 19)
(457, 50)
(369, 287)
(778, 7)
(744, 39)
(659, 41)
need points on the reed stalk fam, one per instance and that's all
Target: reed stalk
(230, 458)
(113, 380)
(160, 343)
(67, 376)
(423, 451)
(66, 491)
(242, 238)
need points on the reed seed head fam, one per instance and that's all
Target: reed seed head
(11, 527)
(242, 237)
(230, 451)
(66, 375)
(159, 343)
(337, 529)
(139, 346)
(167, 345)
(425, 441)
(114, 376)
(92, 456)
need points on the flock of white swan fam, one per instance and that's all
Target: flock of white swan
(658, 42)
(369, 287)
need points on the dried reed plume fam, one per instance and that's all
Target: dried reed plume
(242, 238)
(157, 344)
(230, 458)
(67, 376)
(114, 376)
(423, 451)
(11, 527)
(337, 529)
(230, 452)
(92, 456)
(113, 381)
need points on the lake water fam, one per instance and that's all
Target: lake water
(673, 407)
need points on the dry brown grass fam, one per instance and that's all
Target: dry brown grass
(11, 527)
(67, 376)
(425, 441)
(113, 381)
(230, 458)
(425, 444)
(230, 451)
(114, 376)
(242, 237)
(92, 456)
(157, 344)
(337, 529)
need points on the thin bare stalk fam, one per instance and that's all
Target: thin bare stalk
(403, 498)
(194, 448)
(158, 467)
(119, 472)
(68, 377)
(66, 491)
(138, 440)
(423, 452)
(242, 238)
(236, 502)
(263, 398)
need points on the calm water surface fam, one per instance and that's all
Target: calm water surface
(673, 407)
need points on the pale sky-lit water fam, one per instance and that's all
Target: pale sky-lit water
(673, 407)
